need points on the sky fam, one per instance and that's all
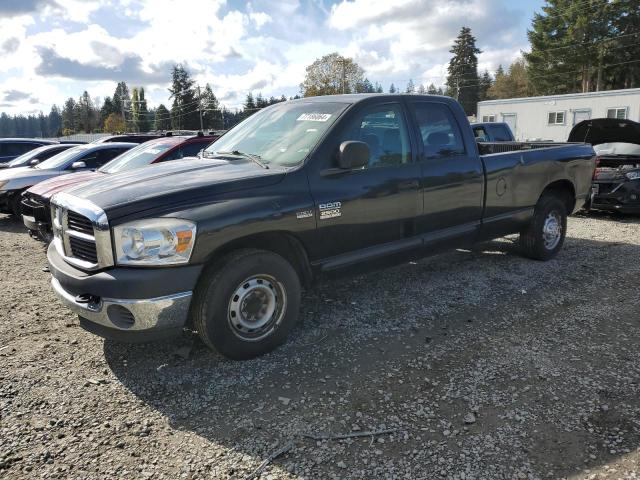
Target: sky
(53, 49)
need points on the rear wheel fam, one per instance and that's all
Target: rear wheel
(246, 305)
(544, 237)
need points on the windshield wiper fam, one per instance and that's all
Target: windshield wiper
(251, 156)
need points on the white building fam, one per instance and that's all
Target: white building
(552, 117)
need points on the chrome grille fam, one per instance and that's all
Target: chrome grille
(81, 232)
(79, 223)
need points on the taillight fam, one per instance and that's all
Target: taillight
(596, 169)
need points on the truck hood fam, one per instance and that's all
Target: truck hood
(47, 188)
(23, 177)
(173, 185)
(606, 130)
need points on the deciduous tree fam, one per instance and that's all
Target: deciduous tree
(330, 75)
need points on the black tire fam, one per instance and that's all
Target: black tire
(533, 242)
(217, 311)
(16, 207)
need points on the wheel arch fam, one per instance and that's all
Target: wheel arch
(565, 190)
(285, 244)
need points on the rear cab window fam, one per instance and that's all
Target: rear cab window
(500, 133)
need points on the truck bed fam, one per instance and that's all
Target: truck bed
(490, 148)
(516, 173)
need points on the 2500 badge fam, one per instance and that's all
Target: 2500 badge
(330, 210)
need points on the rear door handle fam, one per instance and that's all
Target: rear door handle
(408, 185)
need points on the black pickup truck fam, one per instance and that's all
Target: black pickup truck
(225, 245)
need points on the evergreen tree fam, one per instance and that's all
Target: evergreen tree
(162, 118)
(571, 42)
(462, 79)
(69, 117)
(144, 117)
(85, 113)
(120, 100)
(392, 88)
(411, 88)
(260, 102)
(432, 90)
(184, 109)
(211, 116)
(54, 122)
(249, 107)
(485, 84)
(421, 90)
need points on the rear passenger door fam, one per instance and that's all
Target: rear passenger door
(452, 175)
(375, 206)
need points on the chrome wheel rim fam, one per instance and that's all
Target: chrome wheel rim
(256, 307)
(552, 230)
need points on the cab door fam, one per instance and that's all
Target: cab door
(373, 207)
(452, 174)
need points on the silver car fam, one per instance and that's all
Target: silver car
(13, 181)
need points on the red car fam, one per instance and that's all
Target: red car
(35, 201)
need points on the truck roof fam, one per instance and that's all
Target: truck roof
(359, 97)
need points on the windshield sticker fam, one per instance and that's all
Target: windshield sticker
(314, 117)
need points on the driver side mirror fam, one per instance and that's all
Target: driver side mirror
(34, 162)
(78, 165)
(353, 155)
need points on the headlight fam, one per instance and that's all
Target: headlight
(635, 175)
(159, 241)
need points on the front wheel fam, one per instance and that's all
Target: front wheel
(544, 237)
(246, 305)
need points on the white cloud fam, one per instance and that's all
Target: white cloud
(259, 45)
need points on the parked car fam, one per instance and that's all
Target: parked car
(492, 132)
(131, 137)
(616, 181)
(11, 148)
(224, 244)
(36, 213)
(14, 181)
(37, 155)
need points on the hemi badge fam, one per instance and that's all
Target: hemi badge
(304, 214)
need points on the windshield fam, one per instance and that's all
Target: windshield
(139, 156)
(25, 158)
(282, 134)
(61, 159)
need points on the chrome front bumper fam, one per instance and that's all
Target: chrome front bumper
(135, 316)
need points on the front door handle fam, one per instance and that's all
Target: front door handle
(408, 185)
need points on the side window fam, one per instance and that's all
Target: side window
(49, 153)
(90, 160)
(176, 154)
(107, 155)
(16, 149)
(382, 128)
(192, 149)
(439, 130)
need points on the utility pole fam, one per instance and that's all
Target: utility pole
(200, 108)
(124, 118)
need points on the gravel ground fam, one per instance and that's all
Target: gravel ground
(467, 365)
